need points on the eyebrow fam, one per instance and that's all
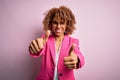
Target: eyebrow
(59, 22)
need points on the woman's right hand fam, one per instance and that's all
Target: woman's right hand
(38, 44)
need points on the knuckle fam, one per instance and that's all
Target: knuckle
(72, 58)
(74, 65)
(74, 62)
(65, 58)
(38, 39)
(31, 46)
(33, 42)
(38, 50)
(65, 63)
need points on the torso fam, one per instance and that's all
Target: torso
(58, 44)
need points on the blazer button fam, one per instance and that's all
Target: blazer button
(60, 74)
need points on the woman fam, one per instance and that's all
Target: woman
(60, 53)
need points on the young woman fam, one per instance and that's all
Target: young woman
(60, 52)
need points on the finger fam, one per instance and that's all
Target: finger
(70, 63)
(35, 45)
(40, 43)
(71, 66)
(67, 59)
(72, 49)
(32, 48)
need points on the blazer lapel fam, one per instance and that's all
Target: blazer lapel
(64, 45)
(52, 48)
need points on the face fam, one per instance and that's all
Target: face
(58, 27)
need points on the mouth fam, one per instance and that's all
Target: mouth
(58, 31)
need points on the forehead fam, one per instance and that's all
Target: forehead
(59, 18)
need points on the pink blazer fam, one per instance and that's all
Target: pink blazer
(48, 58)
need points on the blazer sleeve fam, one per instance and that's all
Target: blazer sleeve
(79, 54)
(41, 52)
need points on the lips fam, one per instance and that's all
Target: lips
(58, 31)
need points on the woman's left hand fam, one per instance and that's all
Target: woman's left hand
(72, 60)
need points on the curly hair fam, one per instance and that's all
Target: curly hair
(64, 14)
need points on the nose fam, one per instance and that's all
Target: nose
(58, 26)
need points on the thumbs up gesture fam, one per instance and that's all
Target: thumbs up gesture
(38, 44)
(71, 60)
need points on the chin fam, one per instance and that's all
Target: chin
(59, 34)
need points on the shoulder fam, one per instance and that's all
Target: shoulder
(72, 39)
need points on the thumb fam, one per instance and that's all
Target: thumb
(45, 38)
(72, 49)
(47, 34)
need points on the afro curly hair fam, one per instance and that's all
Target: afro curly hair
(63, 13)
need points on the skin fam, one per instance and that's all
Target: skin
(58, 28)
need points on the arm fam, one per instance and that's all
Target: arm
(75, 59)
(39, 53)
(79, 54)
(38, 46)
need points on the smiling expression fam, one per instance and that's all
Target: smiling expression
(58, 27)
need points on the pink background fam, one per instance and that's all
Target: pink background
(98, 29)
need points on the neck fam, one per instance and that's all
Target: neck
(59, 38)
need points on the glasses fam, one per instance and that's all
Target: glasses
(54, 23)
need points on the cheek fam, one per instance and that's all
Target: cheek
(64, 28)
(53, 28)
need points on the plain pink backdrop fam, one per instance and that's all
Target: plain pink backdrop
(98, 29)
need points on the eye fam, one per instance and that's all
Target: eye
(54, 23)
(62, 23)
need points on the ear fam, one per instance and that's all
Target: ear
(66, 30)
